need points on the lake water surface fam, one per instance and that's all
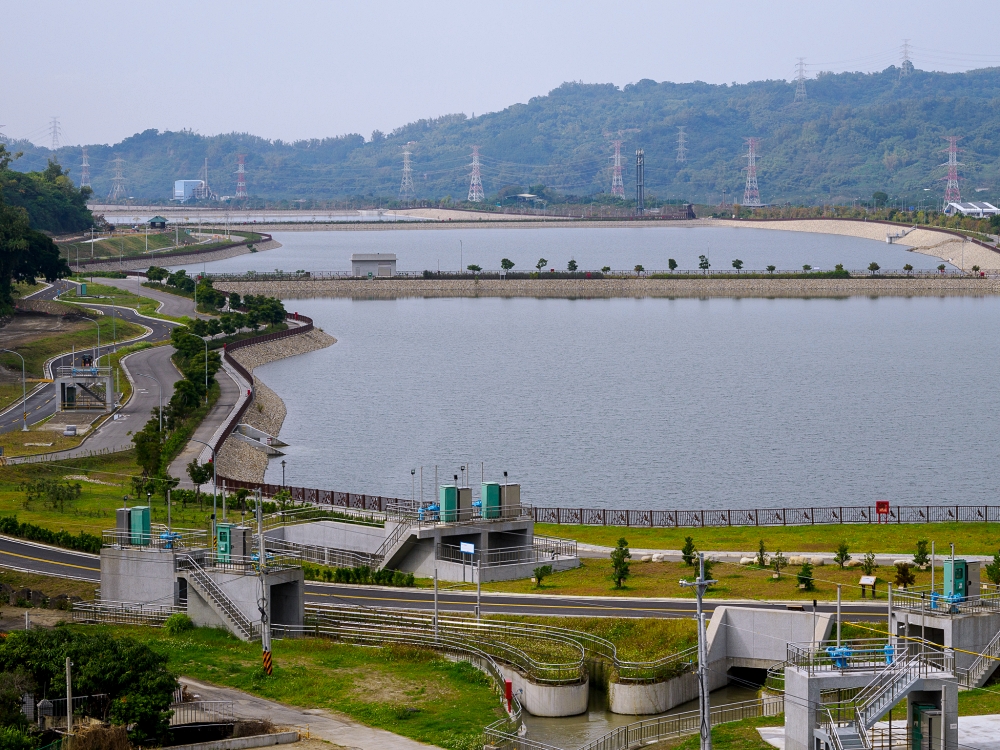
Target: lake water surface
(651, 403)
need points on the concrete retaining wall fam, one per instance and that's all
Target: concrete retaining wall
(333, 534)
(548, 700)
(640, 700)
(238, 743)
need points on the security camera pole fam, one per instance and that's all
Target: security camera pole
(704, 705)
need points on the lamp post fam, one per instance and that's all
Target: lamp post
(215, 487)
(160, 391)
(282, 473)
(413, 484)
(206, 368)
(24, 393)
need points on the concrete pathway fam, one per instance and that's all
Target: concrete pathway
(974, 733)
(329, 726)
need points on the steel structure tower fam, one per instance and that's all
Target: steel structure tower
(800, 80)
(951, 190)
(682, 150)
(617, 185)
(476, 194)
(85, 170)
(640, 188)
(117, 191)
(406, 185)
(241, 178)
(751, 194)
(54, 130)
(905, 64)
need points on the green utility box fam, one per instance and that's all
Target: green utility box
(956, 579)
(490, 499)
(81, 291)
(224, 541)
(140, 525)
(448, 500)
(926, 726)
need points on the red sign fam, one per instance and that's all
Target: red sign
(882, 507)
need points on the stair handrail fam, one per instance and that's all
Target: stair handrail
(862, 731)
(978, 667)
(389, 545)
(891, 682)
(240, 620)
(832, 731)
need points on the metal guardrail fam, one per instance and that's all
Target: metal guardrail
(428, 514)
(122, 613)
(202, 712)
(866, 655)
(314, 513)
(317, 555)
(923, 599)
(159, 538)
(83, 372)
(544, 549)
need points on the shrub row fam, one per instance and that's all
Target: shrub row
(83, 541)
(361, 574)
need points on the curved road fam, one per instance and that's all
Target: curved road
(36, 558)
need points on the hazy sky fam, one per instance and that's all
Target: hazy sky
(310, 69)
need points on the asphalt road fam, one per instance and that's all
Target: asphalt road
(170, 304)
(42, 402)
(34, 558)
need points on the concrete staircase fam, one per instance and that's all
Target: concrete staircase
(847, 738)
(984, 665)
(395, 544)
(198, 579)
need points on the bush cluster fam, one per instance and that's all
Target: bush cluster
(360, 574)
(83, 541)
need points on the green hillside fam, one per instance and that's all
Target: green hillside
(855, 134)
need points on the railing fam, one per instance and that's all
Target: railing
(489, 631)
(202, 712)
(544, 549)
(662, 728)
(159, 538)
(122, 613)
(316, 513)
(214, 592)
(429, 514)
(863, 654)
(52, 711)
(925, 600)
(328, 556)
(83, 372)
(984, 663)
(398, 535)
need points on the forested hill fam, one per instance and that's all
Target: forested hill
(855, 134)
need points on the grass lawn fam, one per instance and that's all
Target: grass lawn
(969, 538)
(127, 245)
(95, 290)
(409, 691)
(593, 578)
(104, 481)
(48, 585)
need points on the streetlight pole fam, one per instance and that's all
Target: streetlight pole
(704, 703)
(24, 393)
(215, 489)
(206, 367)
(160, 391)
(413, 484)
(282, 473)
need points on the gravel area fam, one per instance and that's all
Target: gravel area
(236, 458)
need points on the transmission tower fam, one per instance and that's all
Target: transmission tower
(406, 185)
(800, 80)
(682, 149)
(117, 191)
(905, 65)
(951, 191)
(476, 194)
(54, 131)
(617, 186)
(85, 170)
(640, 188)
(241, 178)
(751, 195)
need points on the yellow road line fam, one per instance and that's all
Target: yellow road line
(50, 562)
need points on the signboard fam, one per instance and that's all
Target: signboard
(468, 548)
(867, 581)
(882, 507)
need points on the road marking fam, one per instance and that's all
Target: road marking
(50, 562)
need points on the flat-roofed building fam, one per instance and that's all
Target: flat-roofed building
(978, 209)
(374, 264)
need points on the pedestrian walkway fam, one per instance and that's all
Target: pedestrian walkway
(327, 725)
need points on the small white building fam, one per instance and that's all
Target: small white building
(978, 209)
(374, 264)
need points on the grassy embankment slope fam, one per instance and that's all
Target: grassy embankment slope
(160, 244)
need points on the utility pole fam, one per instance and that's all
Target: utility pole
(640, 188)
(704, 702)
(265, 626)
(69, 696)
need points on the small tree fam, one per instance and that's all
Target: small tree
(738, 264)
(688, 552)
(620, 556)
(541, 264)
(904, 576)
(908, 268)
(992, 570)
(506, 264)
(868, 564)
(941, 267)
(540, 573)
(639, 269)
(873, 267)
(842, 557)
(778, 561)
(199, 474)
(605, 269)
(805, 576)
(920, 557)
(839, 268)
(671, 264)
(772, 269)
(975, 269)
(474, 268)
(571, 266)
(703, 263)
(761, 555)
(709, 564)
(807, 267)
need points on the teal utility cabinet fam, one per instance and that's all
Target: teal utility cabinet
(224, 541)
(448, 500)
(956, 578)
(141, 531)
(490, 500)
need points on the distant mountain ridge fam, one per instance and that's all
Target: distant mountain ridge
(855, 133)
